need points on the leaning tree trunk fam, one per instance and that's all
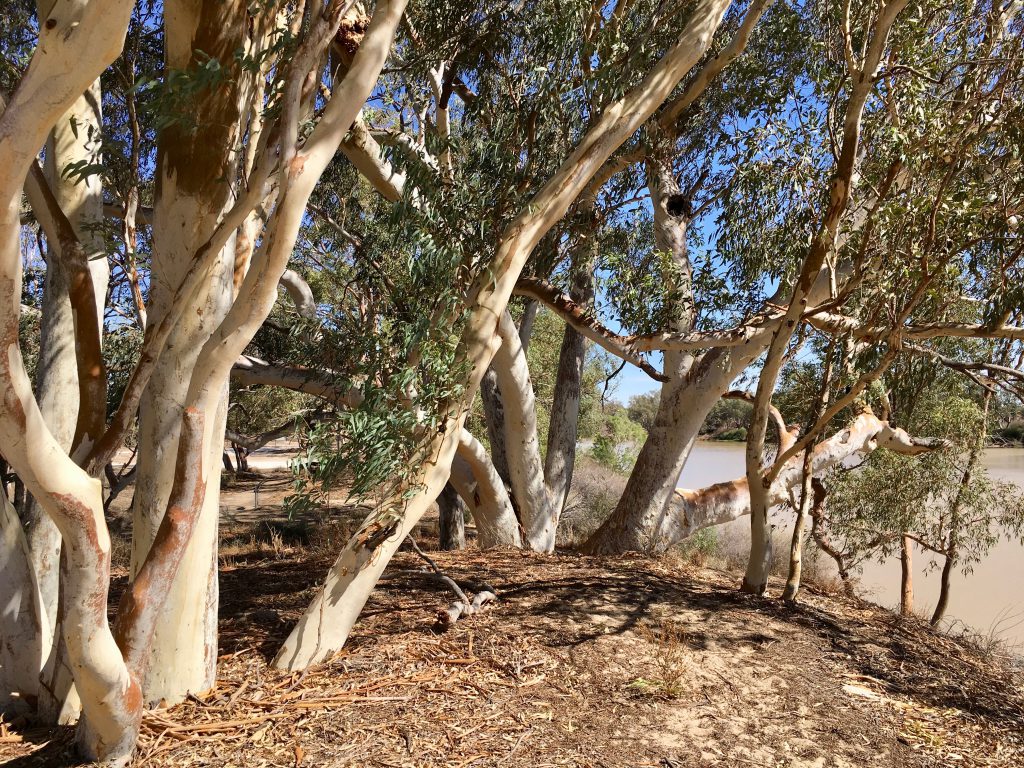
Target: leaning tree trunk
(537, 509)
(685, 400)
(74, 138)
(796, 546)
(945, 584)
(952, 549)
(478, 483)
(192, 195)
(690, 511)
(72, 52)
(324, 627)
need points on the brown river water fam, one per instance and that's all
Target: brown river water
(989, 601)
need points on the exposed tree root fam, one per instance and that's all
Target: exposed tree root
(465, 605)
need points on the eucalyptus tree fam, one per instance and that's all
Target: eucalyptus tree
(208, 298)
(458, 327)
(904, 247)
(945, 503)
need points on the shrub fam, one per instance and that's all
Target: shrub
(702, 548)
(737, 435)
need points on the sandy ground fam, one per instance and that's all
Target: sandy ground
(581, 662)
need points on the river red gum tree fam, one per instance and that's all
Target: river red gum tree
(111, 668)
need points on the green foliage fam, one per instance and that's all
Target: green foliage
(703, 547)
(643, 408)
(728, 419)
(944, 498)
(618, 440)
(120, 351)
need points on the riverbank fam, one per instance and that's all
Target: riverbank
(581, 662)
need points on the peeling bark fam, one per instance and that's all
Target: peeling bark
(195, 189)
(690, 511)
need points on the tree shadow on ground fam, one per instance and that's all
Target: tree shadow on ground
(58, 750)
(570, 600)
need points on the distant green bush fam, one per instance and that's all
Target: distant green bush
(737, 435)
(1013, 432)
(701, 548)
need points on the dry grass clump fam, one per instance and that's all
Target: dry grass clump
(596, 490)
(671, 657)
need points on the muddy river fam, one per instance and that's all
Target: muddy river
(989, 601)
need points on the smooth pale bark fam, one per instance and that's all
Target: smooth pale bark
(690, 511)
(325, 626)
(24, 626)
(300, 293)
(906, 577)
(73, 50)
(685, 400)
(538, 511)
(481, 487)
(249, 370)
(451, 527)
(796, 547)
(74, 138)
(685, 403)
(862, 75)
(194, 166)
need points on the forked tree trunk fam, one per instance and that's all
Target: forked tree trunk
(684, 401)
(325, 626)
(690, 511)
(75, 138)
(862, 72)
(73, 50)
(194, 163)
(906, 577)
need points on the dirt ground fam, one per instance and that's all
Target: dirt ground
(580, 662)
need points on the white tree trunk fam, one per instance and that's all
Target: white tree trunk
(192, 196)
(690, 511)
(74, 138)
(326, 624)
(537, 509)
(560, 458)
(477, 481)
(184, 651)
(24, 625)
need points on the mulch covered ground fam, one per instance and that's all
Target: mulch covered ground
(581, 662)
